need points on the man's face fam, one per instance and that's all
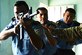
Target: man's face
(19, 9)
(68, 17)
(42, 16)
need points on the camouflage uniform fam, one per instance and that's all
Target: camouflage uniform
(49, 49)
(64, 46)
(69, 34)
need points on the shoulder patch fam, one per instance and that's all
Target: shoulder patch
(35, 23)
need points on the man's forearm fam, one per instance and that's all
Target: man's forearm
(5, 34)
(70, 33)
(34, 38)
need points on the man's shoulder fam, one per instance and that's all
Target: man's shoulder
(76, 22)
(36, 23)
(59, 22)
(51, 23)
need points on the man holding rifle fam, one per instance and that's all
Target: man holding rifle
(30, 43)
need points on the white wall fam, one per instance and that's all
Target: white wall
(6, 13)
(78, 6)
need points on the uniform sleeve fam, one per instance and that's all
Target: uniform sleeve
(9, 26)
(69, 34)
(39, 31)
